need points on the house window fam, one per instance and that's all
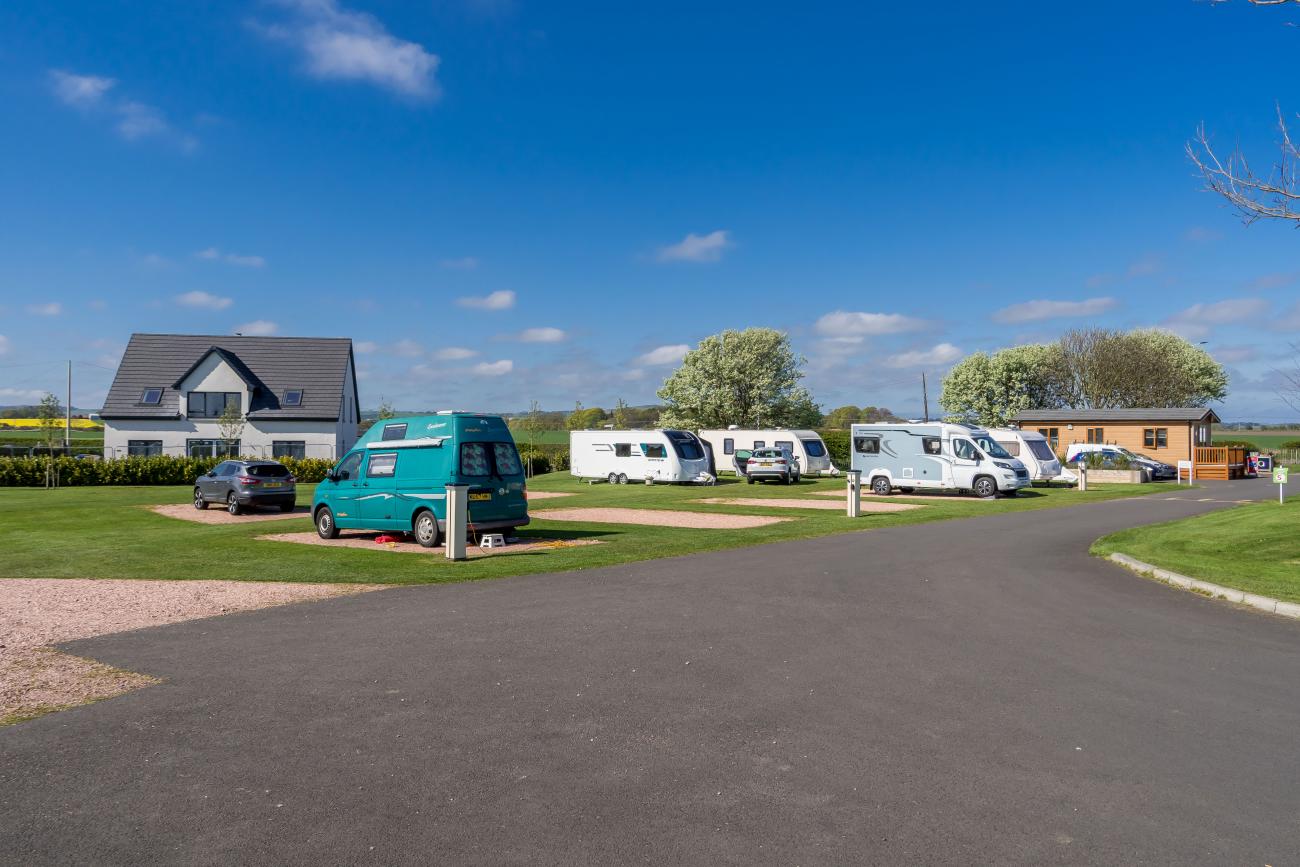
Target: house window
(288, 449)
(1155, 437)
(1203, 435)
(622, 450)
(211, 404)
(212, 448)
(728, 446)
(293, 397)
(1096, 435)
(143, 448)
(151, 396)
(866, 445)
(654, 450)
(394, 432)
(382, 466)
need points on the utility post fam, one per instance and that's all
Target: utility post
(925, 397)
(67, 418)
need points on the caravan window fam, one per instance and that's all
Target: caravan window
(1011, 446)
(815, 448)
(654, 450)
(622, 450)
(394, 432)
(784, 444)
(688, 448)
(1040, 450)
(728, 446)
(932, 445)
(867, 445)
(758, 444)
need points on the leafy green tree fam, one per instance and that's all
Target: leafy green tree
(621, 417)
(385, 410)
(231, 424)
(748, 377)
(842, 417)
(49, 413)
(992, 389)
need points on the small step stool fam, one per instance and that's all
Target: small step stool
(492, 540)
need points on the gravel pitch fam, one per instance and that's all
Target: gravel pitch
(38, 612)
(937, 495)
(658, 518)
(218, 515)
(364, 540)
(546, 495)
(781, 503)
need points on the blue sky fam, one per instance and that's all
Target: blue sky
(502, 201)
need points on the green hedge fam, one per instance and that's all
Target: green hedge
(30, 472)
(1289, 445)
(837, 446)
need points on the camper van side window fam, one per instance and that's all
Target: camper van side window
(622, 450)
(728, 446)
(507, 459)
(381, 466)
(654, 450)
(867, 445)
(932, 445)
(348, 468)
(474, 459)
(394, 432)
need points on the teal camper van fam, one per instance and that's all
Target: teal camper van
(395, 478)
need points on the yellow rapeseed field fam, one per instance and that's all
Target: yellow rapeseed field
(79, 423)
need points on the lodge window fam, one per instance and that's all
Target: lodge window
(1096, 435)
(143, 448)
(1052, 435)
(288, 449)
(211, 404)
(1155, 438)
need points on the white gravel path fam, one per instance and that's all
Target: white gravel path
(657, 518)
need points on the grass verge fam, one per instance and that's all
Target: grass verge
(1252, 547)
(109, 533)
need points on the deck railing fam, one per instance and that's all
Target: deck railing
(1220, 462)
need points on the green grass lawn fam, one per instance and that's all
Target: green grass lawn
(542, 437)
(1252, 547)
(1269, 440)
(107, 532)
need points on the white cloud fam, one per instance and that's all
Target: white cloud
(850, 327)
(1220, 312)
(51, 308)
(454, 353)
(494, 368)
(79, 91)
(937, 356)
(1234, 354)
(408, 349)
(365, 346)
(340, 44)
(542, 335)
(21, 395)
(212, 254)
(1034, 311)
(203, 300)
(1145, 266)
(465, 263)
(257, 328)
(136, 121)
(5, 345)
(697, 248)
(661, 355)
(502, 299)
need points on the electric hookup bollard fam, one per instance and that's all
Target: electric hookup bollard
(854, 478)
(457, 521)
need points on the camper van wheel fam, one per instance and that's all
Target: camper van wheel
(881, 487)
(613, 478)
(985, 487)
(426, 529)
(622, 478)
(325, 526)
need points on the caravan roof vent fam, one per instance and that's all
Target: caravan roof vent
(733, 427)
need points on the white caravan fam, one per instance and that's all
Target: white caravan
(1032, 449)
(620, 456)
(805, 445)
(935, 456)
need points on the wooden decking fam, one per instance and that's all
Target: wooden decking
(1220, 462)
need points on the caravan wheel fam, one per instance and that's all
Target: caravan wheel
(622, 478)
(613, 478)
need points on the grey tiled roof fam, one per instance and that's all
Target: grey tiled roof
(317, 365)
(1182, 413)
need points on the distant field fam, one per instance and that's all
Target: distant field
(7, 435)
(543, 437)
(1262, 440)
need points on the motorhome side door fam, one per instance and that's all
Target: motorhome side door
(965, 462)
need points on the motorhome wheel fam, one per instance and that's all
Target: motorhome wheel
(985, 487)
(881, 487)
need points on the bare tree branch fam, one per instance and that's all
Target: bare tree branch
(1275, 197)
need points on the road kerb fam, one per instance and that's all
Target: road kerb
(1215, 591)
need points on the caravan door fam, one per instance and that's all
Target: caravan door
(965, 463)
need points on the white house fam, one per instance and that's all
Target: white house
(297, 396)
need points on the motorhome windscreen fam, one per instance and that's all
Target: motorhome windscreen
(991, 448)
(1040, 450)
(815, 448)
(685, 444)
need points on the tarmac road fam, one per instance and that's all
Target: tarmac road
(976, 691)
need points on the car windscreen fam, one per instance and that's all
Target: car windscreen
(268, 471)
(1041, 450)
(685, 444)
(814, 448)
(991, 448)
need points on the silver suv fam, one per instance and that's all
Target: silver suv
(771, 463)
(237, 484)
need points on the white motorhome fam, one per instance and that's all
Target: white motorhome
(1032, 449)
(620, 456)
(805, 445)
(934, 456)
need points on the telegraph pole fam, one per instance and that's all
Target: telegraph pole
(925, 397)
(67, 418)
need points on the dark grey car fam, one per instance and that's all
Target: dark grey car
(239, 484)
